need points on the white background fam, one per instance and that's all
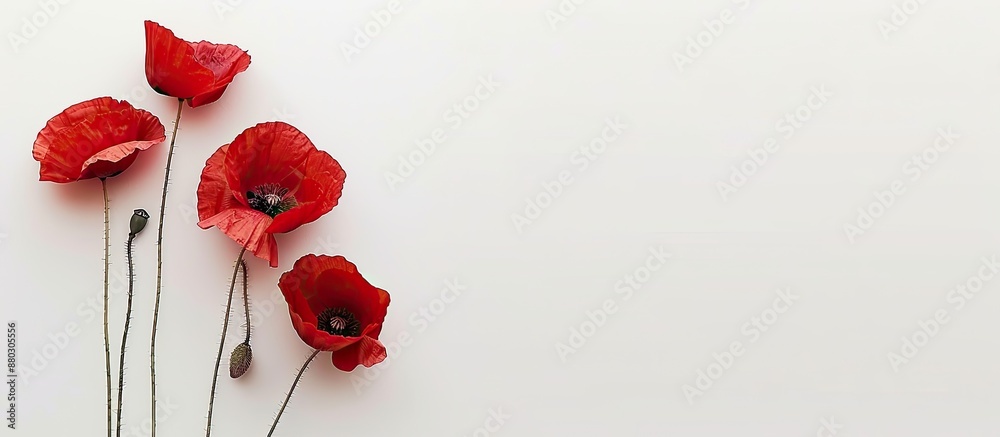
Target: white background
(528, 288)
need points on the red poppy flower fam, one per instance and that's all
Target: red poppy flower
(197, 72)
(333, 308)
(271, 179)
(99, 138)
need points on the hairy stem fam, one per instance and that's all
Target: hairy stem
(222, 341)
(289, 396)
(159, 272)
(128, 319)
(107, 256)
(246, 301)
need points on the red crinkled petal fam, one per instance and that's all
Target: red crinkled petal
(197, 72)
(268, 153)
(217, 207)
(214, 195)
(318, 192)
(307, 288)
(171, 68)
(248, 228)
(115, 159)
(343, 288)
(72, 116)
(333, 281)
(96, 138)
(278, 153)
(303, 318)
(206, 98)
(367, 352)
(225, 61)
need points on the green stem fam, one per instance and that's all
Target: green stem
(289, 396)
(159, 272)
(246, 299)
(107, 256)
(222, 341)
(128, 318)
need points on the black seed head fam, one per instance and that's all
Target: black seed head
(338, 321)
(138, 222)
(271, 199)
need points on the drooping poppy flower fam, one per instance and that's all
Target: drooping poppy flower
(197, 72)
(99, 138)
(333, 308)
(271, 179)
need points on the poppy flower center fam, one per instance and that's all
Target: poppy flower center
(271, 199)
(338, 321)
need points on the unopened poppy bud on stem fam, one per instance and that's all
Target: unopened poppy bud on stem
(239, 361)
(139, 218)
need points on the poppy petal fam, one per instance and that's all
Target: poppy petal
(75, 114)
(290, 285)
(171, 68)
(96, 138)
(318, 193)
(248, 228)
(268, 153)
(317, 339)
(214, 195)
(225, 61)
(206, 98)
(333, 281)
(197, 72)
(115, 159)
(366, 352)
(317, 283)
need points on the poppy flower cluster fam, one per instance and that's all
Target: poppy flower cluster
(270, 179)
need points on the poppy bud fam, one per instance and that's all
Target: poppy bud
(239, 361)
(138, 222)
